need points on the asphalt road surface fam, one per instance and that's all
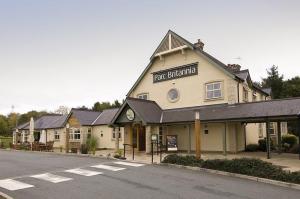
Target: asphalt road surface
(50, 176)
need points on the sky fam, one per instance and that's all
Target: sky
(77, 52)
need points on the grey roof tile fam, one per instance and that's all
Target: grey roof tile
(85, 117)
(105, 117)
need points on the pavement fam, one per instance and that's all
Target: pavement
(30, 175)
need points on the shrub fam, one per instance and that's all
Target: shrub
(92, 144)
(118, 154)
(262, 144)
(288, 141)
(245, 166)
(83, 149)
(182, 160)
(252, 147)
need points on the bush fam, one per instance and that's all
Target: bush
(182, 160)
(92, 144)
(252, 147)
(83, 149)
(288, 141)
(262, 144)
(245, 166)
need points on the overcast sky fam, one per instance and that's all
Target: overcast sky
(74, 53)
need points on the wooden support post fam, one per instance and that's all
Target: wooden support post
(198, 135)
(279, 137)
(67, 137)
(190, 139)
(225, 140)
(268, 144)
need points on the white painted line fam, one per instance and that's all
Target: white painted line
(51, 178)
(83, 172)
(13, 185)
(129, 164)
(107, 167)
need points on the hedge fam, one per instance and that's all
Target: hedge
(245, 166)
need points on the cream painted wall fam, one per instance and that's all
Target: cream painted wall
(191, 89)
(62, 135)
(107, 140)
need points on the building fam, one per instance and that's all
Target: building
(181, 85)
(180, 79)
(81, 125)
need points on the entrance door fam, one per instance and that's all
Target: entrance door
(142, 138)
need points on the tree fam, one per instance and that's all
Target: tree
(4, 130)
(291, 87)
(63, 110)
(100, 106)
(25, 117)
(273, 81)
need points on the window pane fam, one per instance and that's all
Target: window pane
(217, 93)
(209, 87)
(210, 94)
(217, 86)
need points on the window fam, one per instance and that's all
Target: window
(74, 134)
(114, 133)
(245, 94)
(143, 96)
(272, 129)
(205, 129)
(25, 134)
(56, 135)
(213, 90)
(173, 95)
(260, 130)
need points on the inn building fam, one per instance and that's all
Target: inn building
(181, 84)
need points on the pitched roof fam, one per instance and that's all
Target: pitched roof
(50, 121)
(148, 111)
(189, 45)
(105, 117)
(85, 117)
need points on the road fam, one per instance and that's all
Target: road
(26, 175)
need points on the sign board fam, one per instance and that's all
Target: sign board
(172, 143)
(175, 73)
(154, 138)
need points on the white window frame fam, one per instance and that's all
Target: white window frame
(272, 128)
(213, 90)
(56, 136)
(144, 96)
(75, 134)
(113, 135)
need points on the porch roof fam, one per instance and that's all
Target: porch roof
(273, 110)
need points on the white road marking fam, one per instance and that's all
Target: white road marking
(129, 164)
(13, 185)
(107, 167)
(83, 172)
(51, 178)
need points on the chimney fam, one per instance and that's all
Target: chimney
(234, 67)
(199, 44)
